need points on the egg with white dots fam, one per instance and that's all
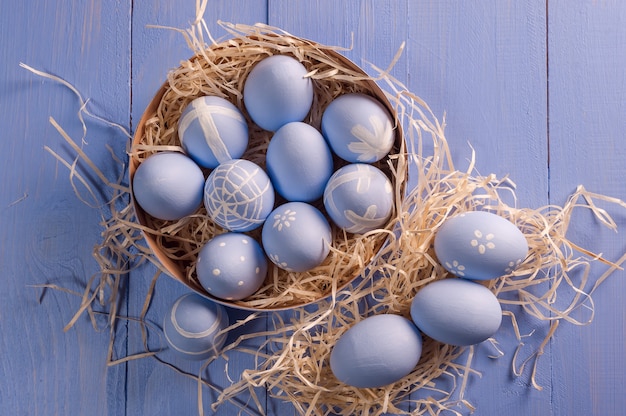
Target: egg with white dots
(358, 128)
(277, 91)
(238, 195)
(168, 186)
(296, 237)
(480, 245)
(231, 266)
(456, 311)
(299, 162)
(377, 351)
(359, 198)
(194, 327)
(212, 130)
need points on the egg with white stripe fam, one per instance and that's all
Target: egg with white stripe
(194, 325)
(358, 198)
(212, 130)
(231, 266)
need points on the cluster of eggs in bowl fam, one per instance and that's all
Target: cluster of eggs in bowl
(294, 198)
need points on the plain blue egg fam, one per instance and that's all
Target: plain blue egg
(168, 186)
(231, 266)
(456, 311)
(192, 325)
(299, 162)
(277, 92)
(296, 237)
(359, 198)
(212, 130)
(238, 195)
(358, 128)
(479, 245)
(377, 351)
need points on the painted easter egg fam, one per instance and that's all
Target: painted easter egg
(299, 162)
(277, 92)
(168, 186)
(479, 245)
(212, 130)
(296, 237)
(456, 311)
(192, 325)
(377, 351)
(238, 195)
(358, 198)
(231, 266)
(358, 128)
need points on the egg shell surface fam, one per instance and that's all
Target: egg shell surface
(296, 237)
(456, 311)
(358, 198)
(480, 245)
(276, 92)
(238, 195)
(358, 128)
(168, 186)
(192, 324)
(299, 162)
(212, 130)
(231, 266)
(379, 350)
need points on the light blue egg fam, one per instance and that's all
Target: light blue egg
(359, 198)
(192, 325)
(479, 245)
(377, 351)
(456, 311)
(358, 128)
(277, 92)
(168, 186)
(296, 237)
(231, 266)
(212, 130)
(299, 162)
(238, 195)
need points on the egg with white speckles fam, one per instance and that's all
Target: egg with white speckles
(212, 130)
(299, 162)
(358, 128)
(480, 245)
(456, 311)
(358, 198)
(238, 195)
(296, 237)
(168, 186)
(192, 327)
(231, 266)
(377, 351)
(277, 92)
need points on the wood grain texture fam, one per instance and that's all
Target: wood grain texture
(536, 88)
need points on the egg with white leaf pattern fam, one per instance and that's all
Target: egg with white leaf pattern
(480, 245)
(358, 128)
(212, 130)
(359, 198)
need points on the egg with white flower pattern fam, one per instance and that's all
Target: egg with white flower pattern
(358, 128)
(359, 198)
(480, 245)
(296, 237)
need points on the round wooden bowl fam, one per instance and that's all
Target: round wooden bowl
(180, 265)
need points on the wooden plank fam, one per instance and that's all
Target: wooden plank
(47, 234)
(587, 124)
(154, 388)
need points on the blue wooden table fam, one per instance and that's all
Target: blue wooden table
(536, 88)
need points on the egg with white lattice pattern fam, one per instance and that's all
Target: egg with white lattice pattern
(359, 198)
(238, 195)
(212, 131)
